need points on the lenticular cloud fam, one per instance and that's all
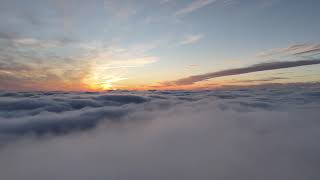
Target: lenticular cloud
(266, 133)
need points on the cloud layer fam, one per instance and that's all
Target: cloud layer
(255, 133)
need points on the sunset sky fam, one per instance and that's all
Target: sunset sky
(82, 45)
(159, 89)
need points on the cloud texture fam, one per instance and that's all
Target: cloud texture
(254, 133)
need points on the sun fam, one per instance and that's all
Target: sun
(108, 83)
(100, 78)
(102, 84)
(106, 86)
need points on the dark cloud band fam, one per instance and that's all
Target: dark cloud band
(254, 68)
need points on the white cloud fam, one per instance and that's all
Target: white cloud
(193, 6)
(130, 63)
(191, 39)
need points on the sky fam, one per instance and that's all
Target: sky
(80, 45)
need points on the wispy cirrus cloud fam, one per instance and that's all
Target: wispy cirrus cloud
(37, 43)
(191, 39)
(296, 49)
(130, 63)
(236, 71)
(193, 6)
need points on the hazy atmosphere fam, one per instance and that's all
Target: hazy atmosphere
(159, 89)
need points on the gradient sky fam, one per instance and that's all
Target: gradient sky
(148, 44)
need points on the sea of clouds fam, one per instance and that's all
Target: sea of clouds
(264, 132)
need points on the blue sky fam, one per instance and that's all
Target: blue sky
(77, 45)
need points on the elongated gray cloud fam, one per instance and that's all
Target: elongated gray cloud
(260, 80)
(254, 68)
